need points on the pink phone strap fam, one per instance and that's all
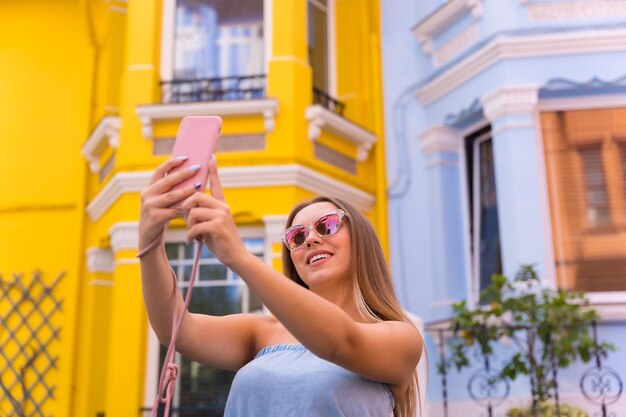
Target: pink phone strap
(169, 373)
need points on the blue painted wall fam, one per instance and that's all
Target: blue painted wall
(429, 220)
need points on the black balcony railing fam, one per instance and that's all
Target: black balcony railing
(322, 98)
(599, 384)
(248, 87)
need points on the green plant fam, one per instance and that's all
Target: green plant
(550, 330)
(548, 410)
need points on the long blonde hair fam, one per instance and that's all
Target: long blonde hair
(372, 284)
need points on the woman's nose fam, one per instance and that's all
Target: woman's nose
(311, 239)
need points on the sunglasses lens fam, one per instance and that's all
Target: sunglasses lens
(295, 237)
(328, 225)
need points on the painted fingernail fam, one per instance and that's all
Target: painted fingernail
(194, 167)
(198, 186)
(182, 158)
(214, 158)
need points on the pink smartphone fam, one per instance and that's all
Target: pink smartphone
(196, 139)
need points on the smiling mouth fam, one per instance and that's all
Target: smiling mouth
(318, 258)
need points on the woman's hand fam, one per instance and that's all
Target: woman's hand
(157, 200)
(209, 218)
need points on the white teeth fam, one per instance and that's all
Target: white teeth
(320, 256)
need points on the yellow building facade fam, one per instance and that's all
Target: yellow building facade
(92, 93)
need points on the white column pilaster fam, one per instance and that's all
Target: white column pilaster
(520, 179)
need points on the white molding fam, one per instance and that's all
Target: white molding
(298, 176)
(121, 183)
(151, 381)
(510, 100)
(440, 162)
(100, 283)
(599, 101)
(100, 260)
(557, 11)
(331, 34)
(320, 118)
(608, 297)
(511, 126)
(457, 44)
(274, 227)
(443, 17)
(440, 139)
(529, 46)
(238, 177)
(107, 129)
(124, 235)
(268, 108)
(167, 40)
(179, 235)
(610, 305)
(268, 33)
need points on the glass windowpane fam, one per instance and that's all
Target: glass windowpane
(218, 291)
(215, 38)
(598, 212)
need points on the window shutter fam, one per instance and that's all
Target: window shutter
(586, 173)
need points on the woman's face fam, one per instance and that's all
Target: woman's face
(322, 261)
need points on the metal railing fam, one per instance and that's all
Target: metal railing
(599, 384)
(249, 87)
(322, 98)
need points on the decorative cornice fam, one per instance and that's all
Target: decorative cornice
(527, 46)
(562, 87)
(440, 139)
(100, 260)
(268, 108)
(454, 46)
(510, 100)
(121, 183)
(108, 128)
(238, 177)
(274, 227)
(320, 118)
(475, 109)
(443, 17)
(597, 101)
(556, 11)
(124, 235)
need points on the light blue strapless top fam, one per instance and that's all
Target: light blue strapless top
(289, 381)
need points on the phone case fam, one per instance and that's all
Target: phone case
(197, 138)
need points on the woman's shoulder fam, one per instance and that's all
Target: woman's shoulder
(270, 332)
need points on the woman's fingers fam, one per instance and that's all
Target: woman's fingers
(172, 197)
(214, 181)
(164, 184)
(166, 167)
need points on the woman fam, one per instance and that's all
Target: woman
(337, 344)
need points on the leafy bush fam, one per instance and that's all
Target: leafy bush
(548, 410)
(550, 329)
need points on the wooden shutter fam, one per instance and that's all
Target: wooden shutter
(586, 173)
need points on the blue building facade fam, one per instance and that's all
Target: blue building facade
(506, 145)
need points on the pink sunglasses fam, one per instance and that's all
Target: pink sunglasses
(325, 225)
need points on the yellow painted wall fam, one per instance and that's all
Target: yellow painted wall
(64, 64)
(45, 72)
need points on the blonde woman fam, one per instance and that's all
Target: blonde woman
(337, 343)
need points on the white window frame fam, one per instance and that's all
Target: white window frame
(167, 37)
(331, 47)
(151, 381)
(473, 254)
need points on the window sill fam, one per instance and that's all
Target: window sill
(268, 108)
(320, 119)
(105, 134)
